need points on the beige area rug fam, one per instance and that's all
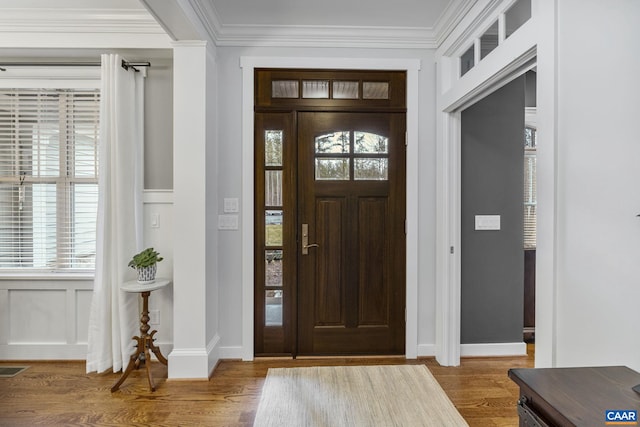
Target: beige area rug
(353, 396)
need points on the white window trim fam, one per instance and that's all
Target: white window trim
(49, 78)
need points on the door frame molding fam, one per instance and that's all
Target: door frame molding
(448, 216)
(412, 66)
(518, 54)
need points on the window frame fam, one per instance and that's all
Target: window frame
(48, 78)
(530, 198)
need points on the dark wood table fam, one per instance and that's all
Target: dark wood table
(145, 341)
(574, 396)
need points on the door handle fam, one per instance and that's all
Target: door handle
(305, 240)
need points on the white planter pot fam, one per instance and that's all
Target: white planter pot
(147, 275)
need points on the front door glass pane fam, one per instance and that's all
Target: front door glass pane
(273, 188)
(284, 89)
(366, 142)
(332, 169)
(345, 90)
(375, 90)
(315, 89)
(371, 169)
(273, 147)
(273, 228)
(273, 267)
(273, 308)
(336, 142)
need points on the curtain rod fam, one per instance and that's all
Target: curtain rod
(125, 64)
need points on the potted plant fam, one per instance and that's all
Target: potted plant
(145, 263)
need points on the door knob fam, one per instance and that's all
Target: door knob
(305, 240)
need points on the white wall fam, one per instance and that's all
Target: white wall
(213, 235)
(189, 357)
(45, 318)
(230, 181)
(159, 204)
(598, 153)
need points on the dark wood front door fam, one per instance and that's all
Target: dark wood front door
(351, 237)
(329, 160)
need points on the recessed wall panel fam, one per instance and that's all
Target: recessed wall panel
(36, 316)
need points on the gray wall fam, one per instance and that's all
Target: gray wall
(158, 128)
(530, 85)
(492, 184)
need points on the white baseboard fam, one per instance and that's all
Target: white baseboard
(425, 350)
(43, 351)
(230, 353)
(189, 363)
(194, 363)
(494, 349)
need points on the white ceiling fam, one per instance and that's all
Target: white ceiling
(312, 23)
(349, 13)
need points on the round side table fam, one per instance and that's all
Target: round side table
(145, 340)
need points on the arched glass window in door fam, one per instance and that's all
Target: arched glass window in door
(352, 155)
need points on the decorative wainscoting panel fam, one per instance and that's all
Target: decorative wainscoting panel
(45, 317)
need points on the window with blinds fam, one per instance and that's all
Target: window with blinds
(48, 178)
(530, 201)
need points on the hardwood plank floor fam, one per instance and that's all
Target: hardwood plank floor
(61, 394)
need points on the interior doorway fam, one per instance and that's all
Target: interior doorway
(492, 253)
(530, 200)
(330, 200)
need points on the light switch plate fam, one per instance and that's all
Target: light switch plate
(155, 220)
(487, 222)
(231, 205)
(227, 222)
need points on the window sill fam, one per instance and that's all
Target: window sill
(46, 275)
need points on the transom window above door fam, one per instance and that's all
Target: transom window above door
(330, 88)
(326, 89)
(351, 155)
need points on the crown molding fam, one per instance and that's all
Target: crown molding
(105, 27)
(56, 20)
(77, 27)
(451, 18)
(470, 24)
(327, 36)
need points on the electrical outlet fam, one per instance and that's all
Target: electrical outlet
(154, 316)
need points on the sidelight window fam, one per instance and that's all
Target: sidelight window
(273, 226)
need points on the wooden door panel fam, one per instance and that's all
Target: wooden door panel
(373, 292)
(351, 287)
(330, 292)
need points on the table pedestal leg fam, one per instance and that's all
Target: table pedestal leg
(145, 343)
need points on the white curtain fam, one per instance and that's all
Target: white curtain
(114, 316)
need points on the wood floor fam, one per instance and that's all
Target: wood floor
(61, 394)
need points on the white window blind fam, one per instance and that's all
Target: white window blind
(48, 178)
(530, 200)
